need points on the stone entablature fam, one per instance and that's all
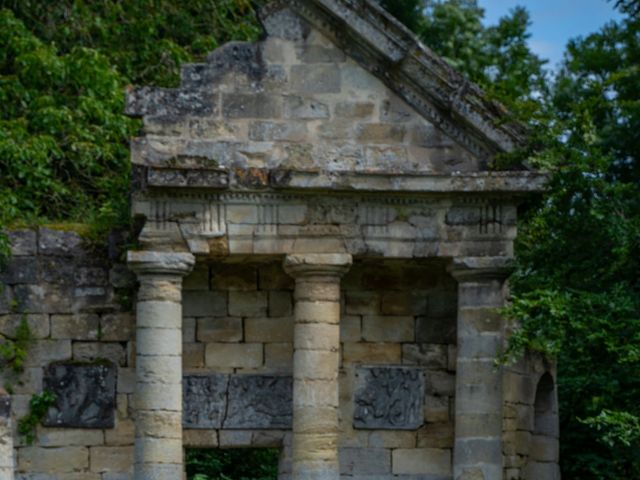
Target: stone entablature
(320, 229)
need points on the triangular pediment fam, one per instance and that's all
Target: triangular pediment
(333, 87)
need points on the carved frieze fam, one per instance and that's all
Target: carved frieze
(389, 398)
(237, 401)
(85, 395)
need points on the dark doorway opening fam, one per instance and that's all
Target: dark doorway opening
(232, 463)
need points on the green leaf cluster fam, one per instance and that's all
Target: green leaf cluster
(232, 464)
(38, 407)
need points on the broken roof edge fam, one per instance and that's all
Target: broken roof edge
(381, 44)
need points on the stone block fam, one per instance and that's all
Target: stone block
(404, 303)
(436, 409)
(310, 53)
(38, 324)
(429, 355)
(20, 270)
(43, 298)
(92, 351)
(90, 276)
(192, 355)
(380, 133)
(234, 355)
(121, 277)
(362, 302)
(389, 398)
(59, 242)
(257, 105)
(200, 438)
(303, 108)
(122, 434)
(46, 351)
(85, 395)
(204, 400)
(263, 131)
(280, 303)
(315, 79)
(421, 461)
(440, 383)
(235, 276)
(204, 303)
(67, 437)
(219, 329)
(371, 353)
(436, 435)
(388, 329)
(365, 461)
(278, 357)
(23, 242)
(385, 158)
(354, 110)
(544, 448)
(248, 304)
(395, 110)
(77, 327)
(268, 330)
(436, 330)
(392, 439)
(198, 279)
(59, 270)
(350, 328)
(53, 460)
(235, 438)
(117, 327)
(111, 458)
(259, 402)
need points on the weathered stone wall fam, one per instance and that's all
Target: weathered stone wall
(74, 302)
(238, 319)
(292, 101)
(237, 324)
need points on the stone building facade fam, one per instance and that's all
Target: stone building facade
(323, 255)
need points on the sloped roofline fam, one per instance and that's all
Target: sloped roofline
(381, 44)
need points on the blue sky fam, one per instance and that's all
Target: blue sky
(554, 21)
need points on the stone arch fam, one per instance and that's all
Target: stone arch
(543, 456)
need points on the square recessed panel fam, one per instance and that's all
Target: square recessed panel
(389, 398)
(85, 395)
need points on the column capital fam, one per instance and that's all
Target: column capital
(144, 262)
(470, 269)
(317, 264)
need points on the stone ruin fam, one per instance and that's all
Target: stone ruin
(323, 254)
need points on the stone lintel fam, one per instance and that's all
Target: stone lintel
(317, 264)
(518, 183)
(470, 269)
(162, 263)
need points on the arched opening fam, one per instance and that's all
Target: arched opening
(543, 456)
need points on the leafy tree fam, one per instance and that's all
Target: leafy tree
(63, 69)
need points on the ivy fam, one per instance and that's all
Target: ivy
(13, 351)
(38, 407)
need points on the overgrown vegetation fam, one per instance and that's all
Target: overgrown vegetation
(38, 407)
(13, 353)
(232, 464)
(64, 67)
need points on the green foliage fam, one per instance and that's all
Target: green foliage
(63, 70)
(232, 464)
(576, 293)
(13, 351)
(38, 407)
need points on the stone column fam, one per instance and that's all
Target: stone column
(158, 395)
(316, 360)
(477, 451)
(6, 437)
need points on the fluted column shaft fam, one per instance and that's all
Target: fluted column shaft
(158, 394)
(315, 363)
(479, 396)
